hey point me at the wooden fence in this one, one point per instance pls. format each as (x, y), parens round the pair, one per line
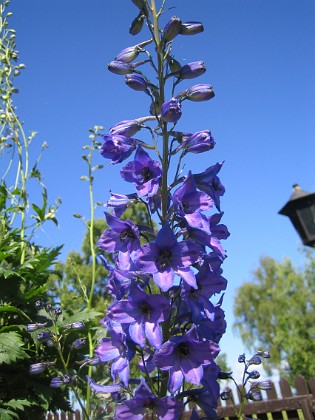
(287, 404)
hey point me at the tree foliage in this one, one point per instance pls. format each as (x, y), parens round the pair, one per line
(276, 311)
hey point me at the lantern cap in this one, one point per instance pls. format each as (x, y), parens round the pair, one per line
(297, 194)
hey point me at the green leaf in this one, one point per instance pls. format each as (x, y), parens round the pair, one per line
(11, 348)
(10, 308)
(84, 315)
(18, 404)
(6, 414)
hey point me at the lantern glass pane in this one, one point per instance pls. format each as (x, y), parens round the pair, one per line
(307, 215)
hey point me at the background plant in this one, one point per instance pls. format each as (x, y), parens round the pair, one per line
(277, 311)
(24, 265)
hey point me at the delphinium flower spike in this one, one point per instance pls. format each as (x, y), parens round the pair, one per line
(164, 317)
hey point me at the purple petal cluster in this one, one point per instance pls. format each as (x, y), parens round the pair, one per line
(165, 279)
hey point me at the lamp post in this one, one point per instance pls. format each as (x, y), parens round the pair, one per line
(301, 210)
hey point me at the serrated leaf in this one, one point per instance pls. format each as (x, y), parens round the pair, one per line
(84, 315)
(6, 414)
(18, 404)
(11, 348)
(10, 308)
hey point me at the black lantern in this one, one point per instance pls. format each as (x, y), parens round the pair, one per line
(301, 210)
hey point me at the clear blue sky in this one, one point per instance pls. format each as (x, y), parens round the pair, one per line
(260, 58)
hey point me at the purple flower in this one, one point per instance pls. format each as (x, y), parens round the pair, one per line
(118, 280)
(103, 389)
(122, 235)
(191, 28)
(117, 147)
(184, 357)
(143, 313)
(171, 110)
(210, 183)
(214, 327)
(144, 172)
(166, 257)
(188, 202)
(120, 202)
(119, 351)
(145, 402)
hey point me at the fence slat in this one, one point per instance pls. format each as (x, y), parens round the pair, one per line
(285, 388)
(286, 403)
(301, 385)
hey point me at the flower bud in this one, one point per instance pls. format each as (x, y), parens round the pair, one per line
(139, 3)
(225, 375)
(171, 29)
(137, 24)
(254, 395)
(226, 395)
(128, 54)
(56, 382)
(191, 70)
(264, 354)
(191, 28)
(171, 110)
(199, 142)
(79, 343)
(241, 358)
(200, 93)
(255, 360)
(34, 327)
(39, 304)
(61, 380)
(37, 368)
(58, 311)
(264, 385)
(126, 128)
(254, 374)
(43, 336)
(40, 367)
(79, 325)
(174, 64)
(119, 67)
(136, 81)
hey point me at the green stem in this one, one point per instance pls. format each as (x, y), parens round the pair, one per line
(165, 162)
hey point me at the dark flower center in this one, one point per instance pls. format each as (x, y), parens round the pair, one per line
(145, 309)
(146, 174)
(127, 234)
(183, 350)
(186, 206)
(164, 257)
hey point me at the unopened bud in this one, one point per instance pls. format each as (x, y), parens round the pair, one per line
(119, 67)
(171, 29)
(200, 93)
(136, 81)
(191, 28)
(137, 24)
